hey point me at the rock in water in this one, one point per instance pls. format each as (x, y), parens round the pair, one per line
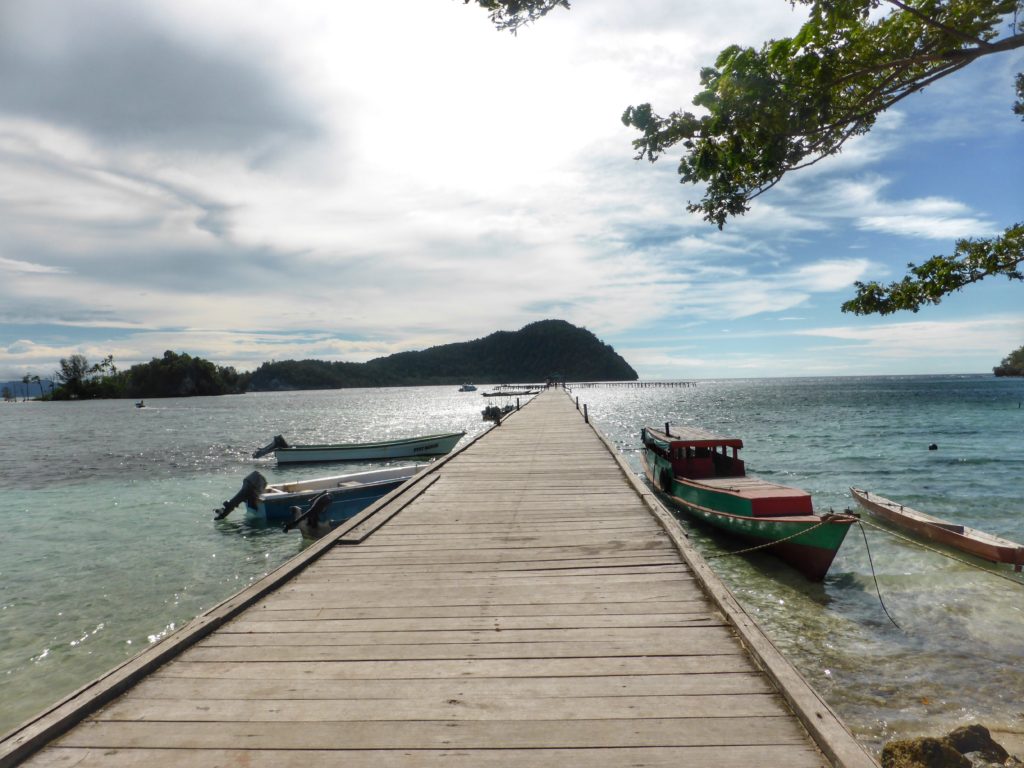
(976, 738)
(924, 752)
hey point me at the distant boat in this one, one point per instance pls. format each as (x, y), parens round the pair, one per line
(140, 404)
(695, 469)
(349, 494)
(969, 540)
(467, 388)
(403, 448)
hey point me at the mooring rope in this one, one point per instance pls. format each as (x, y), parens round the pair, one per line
(968, 563)
(871, 563)
(827, 518)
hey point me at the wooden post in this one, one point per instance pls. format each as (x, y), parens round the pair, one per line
(586, 417)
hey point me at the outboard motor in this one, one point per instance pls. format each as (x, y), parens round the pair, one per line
(252, 486)
(277, 442)
(310, 519)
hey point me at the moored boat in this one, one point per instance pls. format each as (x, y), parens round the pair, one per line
(925, 526)
(467, 388)
(410, 447)
(702, 473)
(349, 494)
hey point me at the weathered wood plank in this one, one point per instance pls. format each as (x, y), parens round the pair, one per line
(457, 670)
(445, 734)
(158, 686)
(446, 707)
(313, 623)
(277, 607)
(740, 756)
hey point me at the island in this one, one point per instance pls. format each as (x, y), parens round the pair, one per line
(1012, 365)
(538, 352)
(535, 353)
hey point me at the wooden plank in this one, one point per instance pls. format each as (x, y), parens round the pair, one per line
(739, 756)
(252, 623)
(282, 608)
(464, 708)
(158, 686)
(457, 670)
(442, 734)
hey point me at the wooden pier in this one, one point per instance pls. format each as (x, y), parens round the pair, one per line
(630, 384)
(524, 602)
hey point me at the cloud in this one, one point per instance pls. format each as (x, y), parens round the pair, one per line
(113, 72)
(991, 335)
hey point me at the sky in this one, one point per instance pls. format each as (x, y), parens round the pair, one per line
(248, 182)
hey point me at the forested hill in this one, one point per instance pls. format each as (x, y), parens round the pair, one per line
(532, 354)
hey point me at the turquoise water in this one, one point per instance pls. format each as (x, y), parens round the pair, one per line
(109, 542)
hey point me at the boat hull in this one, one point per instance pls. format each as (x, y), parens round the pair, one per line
(350, 495)
(807, 542)
(924, 526)
(418, 447)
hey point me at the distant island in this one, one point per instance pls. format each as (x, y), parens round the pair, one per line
(535, 353)
(1012, 365)
(173, 375)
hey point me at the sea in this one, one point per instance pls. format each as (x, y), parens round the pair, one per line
(109, 544)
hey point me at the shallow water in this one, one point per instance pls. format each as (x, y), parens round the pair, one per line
(110, 542)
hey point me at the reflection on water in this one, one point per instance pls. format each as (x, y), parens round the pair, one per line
(110, 543)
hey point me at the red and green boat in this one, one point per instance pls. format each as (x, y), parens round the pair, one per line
(702, 473)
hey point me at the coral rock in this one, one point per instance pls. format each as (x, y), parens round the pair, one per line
(924, 752)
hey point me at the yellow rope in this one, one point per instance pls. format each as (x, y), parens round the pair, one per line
(827, 518)
(922, 545)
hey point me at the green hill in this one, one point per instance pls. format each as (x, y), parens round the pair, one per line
(532, 354)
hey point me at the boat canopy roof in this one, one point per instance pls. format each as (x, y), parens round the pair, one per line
(694, 437)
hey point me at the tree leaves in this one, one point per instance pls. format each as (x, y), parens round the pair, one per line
(797, 100)
(972, 260)
(512, 14)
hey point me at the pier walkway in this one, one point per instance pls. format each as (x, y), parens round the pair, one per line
(524, 602)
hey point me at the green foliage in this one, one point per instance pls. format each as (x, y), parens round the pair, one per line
(532, 354)
(1012, 365)
(173, 375)
(972, 260)
(798, 100)
(512, 14)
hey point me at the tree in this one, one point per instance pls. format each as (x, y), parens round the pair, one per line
(8, 395)
(972, 261)
(72, 373)
(39, 381)
(512, 14)
(1012, 365)
(798, 100)
(26, 380)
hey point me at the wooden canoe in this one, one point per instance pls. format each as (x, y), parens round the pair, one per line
(969, 540)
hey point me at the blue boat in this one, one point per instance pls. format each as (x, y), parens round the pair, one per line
(350, 494)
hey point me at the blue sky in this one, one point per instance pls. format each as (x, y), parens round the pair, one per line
(247, 182)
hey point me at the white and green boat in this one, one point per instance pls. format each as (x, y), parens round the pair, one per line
(425, 446)
(702, 473)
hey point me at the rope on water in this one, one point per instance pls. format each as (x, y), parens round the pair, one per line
(871, 562)
(922, 545)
